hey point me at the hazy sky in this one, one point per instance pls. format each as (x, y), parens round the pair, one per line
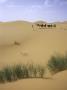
(32, 10)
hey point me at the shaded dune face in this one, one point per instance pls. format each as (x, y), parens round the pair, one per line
(19, 43)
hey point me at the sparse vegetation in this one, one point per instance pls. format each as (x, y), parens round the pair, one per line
(16, 72)
(41, 71)
(7, 71)
(57, 63)
(2, 80)
(36, 71)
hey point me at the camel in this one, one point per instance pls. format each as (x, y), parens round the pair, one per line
(41, 25)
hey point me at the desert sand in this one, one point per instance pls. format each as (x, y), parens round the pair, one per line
(22, 43)
(58, 82)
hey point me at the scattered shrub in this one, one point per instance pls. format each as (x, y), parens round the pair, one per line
(2, 79)
(7, 73)
(41, 71)
(20, 72)
(57, 63)
(36, 70)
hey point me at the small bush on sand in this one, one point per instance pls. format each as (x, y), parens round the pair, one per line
(57, 63)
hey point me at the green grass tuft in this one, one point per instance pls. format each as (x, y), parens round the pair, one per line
(19, 71)
(57, 63)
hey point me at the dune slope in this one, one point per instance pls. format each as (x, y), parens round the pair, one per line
(20, 43)
(33, 46)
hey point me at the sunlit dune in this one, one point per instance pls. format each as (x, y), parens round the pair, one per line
(24, 42)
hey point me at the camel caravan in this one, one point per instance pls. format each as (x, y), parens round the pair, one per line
(42, 25)
(46, 25)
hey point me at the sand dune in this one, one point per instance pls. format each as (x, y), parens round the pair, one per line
(38, 45)
(14, 31)
(33, 46)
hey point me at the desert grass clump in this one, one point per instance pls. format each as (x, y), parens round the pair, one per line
(7, 73)
(32, 70)
(25, 70)
(2, 78)
(20, 71)
(15, 72)
(57, 63)
(41, 71)
(36, 71)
